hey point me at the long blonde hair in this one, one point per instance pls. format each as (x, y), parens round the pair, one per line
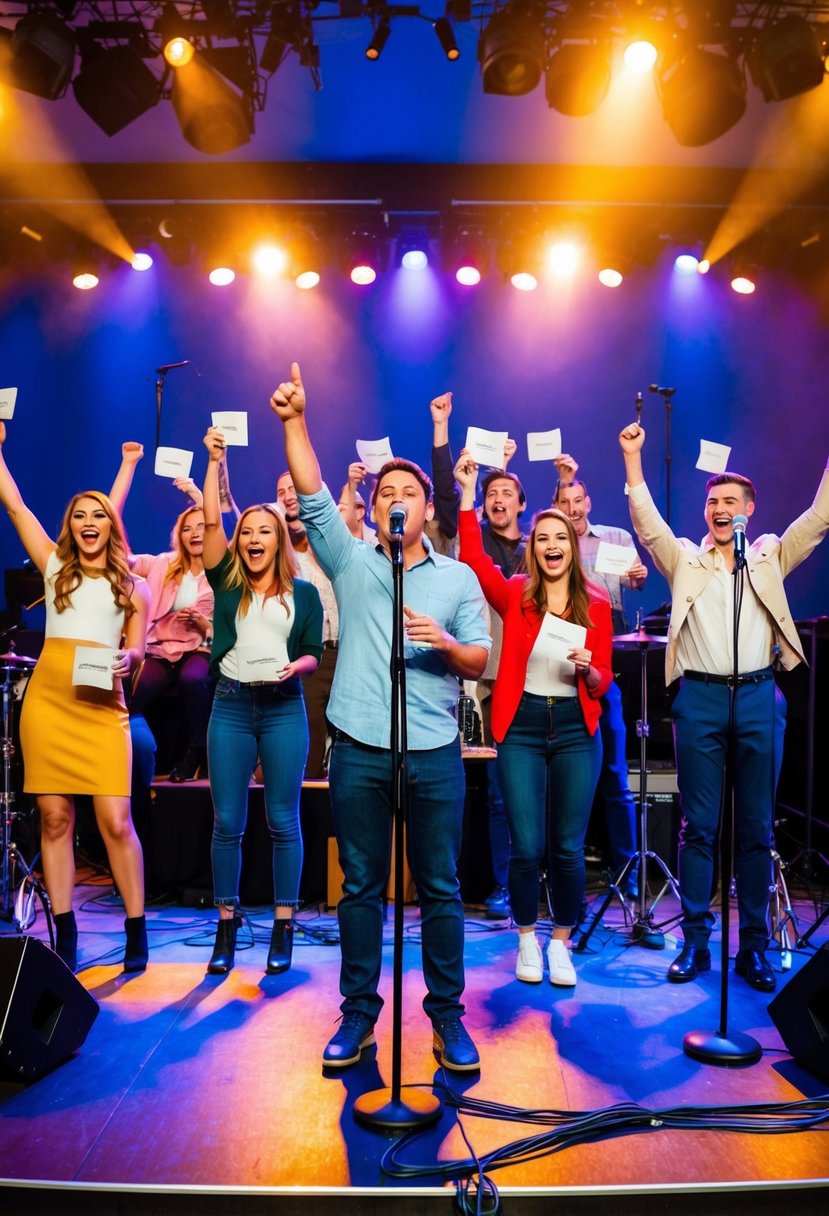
(181, 561)
(116, 571)
(284, 567)
(579, 589)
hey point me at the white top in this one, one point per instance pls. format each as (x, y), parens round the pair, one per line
(706, 639)
(92, 616)
(263, 633)
(188, 591)
(548, 675)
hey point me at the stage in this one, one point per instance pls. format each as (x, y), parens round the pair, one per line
(206, 1093)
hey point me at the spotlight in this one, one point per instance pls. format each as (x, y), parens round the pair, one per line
(176, 46)
(176, 231)
(412, 249)
(468, 258)
(743, 274)
(378, 40)
(42, 55)
(446, 38)
(786, 59)
(212, 116)
(285, 34)
(511, 54)
(703, 95)
(686, 263)
(523, 260)
(365, 256)
(305, 257)
(578, 77)
(115, 87)
(141, 261)
(221, 276)
(269, 259)
(564, 258)
(85, 279)
(640, 56)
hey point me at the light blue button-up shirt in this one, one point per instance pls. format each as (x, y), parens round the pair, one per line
(360, 702)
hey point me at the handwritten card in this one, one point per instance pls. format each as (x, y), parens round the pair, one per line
(544, 445)
(713, 457)
(614, 559)
(8, 397)
(486, 447)
(234, 426)
(173, 462)
(374, 453)
(261, 662)
(92, 666)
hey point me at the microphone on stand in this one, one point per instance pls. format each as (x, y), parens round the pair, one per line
(398, 514)
(639, 403)
(660, 388)
(168, 367)
(739, 525)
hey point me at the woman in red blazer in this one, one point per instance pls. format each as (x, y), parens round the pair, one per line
(545, 714)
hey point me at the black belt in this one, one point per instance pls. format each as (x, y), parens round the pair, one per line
(330, 644)
(750, 677)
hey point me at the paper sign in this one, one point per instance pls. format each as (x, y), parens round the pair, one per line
(234, 426)
(8, 397)
(544, 445)
(263, 662)
(713, 457)
(93, 666)
(614, 559)
(486, 447)
(561, 636)
(374, 453)
(173, 462)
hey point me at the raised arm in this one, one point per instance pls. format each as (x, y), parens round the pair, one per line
(215, 541)
(446, 491)
(131, 453)
(32, 535)
(288, 403)
(631, 441)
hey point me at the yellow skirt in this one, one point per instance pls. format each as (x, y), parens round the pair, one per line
(74, 739)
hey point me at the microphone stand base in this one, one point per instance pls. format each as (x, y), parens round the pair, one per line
(380, 1109)
(713, 1047)
(643, 935)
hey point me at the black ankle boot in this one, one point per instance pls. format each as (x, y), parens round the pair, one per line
(224, 951)
(66, 939)
(282, 944)
(137, 951)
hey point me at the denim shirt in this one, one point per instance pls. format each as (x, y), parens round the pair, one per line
(438, 587)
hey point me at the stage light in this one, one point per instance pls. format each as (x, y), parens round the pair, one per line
(176, 46)
(305, 257)
(511, 54)
(640, 56)
(85, 280)
(743, 274)
(686, 263)
(42, 55)
(467, 257)
(269, 259)
(703, 95)
(564, 258)
(176, 231)
(446, 38)
(378, 40)
(786, 59)
(522, 260)
(115, 87)
(610, 277)
(141, 261)
(307, 279)
(578, 78)
(412, 250)
(364, 252)
(212, 116)
(221, 276)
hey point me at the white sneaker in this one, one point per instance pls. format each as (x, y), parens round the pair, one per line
(562, 971)
(530, 964)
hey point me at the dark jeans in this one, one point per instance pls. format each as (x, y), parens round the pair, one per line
(700, 713)
(268, 721)
(191, 673)
(548, 764)
(361, 801)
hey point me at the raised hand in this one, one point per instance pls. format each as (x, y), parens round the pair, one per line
(132, 452)
(357, 473)
(510, 448)
(566, 467)
(441, 407)
(214, 441)
(288, 400)
(632, 438)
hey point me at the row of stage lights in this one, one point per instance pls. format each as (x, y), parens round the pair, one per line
(700, 60)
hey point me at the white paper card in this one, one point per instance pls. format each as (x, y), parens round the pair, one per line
(8, 397)
(263, 662)
(173, 462)
(486, 447)
(374, 453)
(713, 457)
(560, 637)
(614, 559)
(93, 666)
(234, 426)
(544, 445)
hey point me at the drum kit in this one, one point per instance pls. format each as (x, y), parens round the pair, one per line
(19, 886)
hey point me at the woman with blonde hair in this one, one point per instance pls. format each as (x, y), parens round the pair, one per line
(75, 736)
(267, 634)
(545, 714)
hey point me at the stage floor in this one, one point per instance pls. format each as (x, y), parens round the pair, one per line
(195, 1081)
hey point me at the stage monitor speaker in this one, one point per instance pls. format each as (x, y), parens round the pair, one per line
(800, 1011)
(45, 1011)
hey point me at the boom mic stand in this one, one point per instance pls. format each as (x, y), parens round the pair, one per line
(666, 394)
(161, 373)
(385, 1108)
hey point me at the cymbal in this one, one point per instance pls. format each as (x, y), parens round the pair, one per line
(639, 640)
(17, 660)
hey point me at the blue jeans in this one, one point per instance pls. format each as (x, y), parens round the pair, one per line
(700, 714)
(548, 760)
(246, 721)
(361, 801)
(619, 806)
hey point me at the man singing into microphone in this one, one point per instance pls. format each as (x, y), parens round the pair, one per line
(700, 651)
(446, 638)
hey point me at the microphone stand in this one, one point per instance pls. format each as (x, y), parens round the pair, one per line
(720, 1046)
(666, 394)
(161, 373)
(384, 1108)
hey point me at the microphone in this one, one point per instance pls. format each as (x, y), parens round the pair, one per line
(660, 388)
(168, 367)
(638, 404)
(398, 514)
(738, 523)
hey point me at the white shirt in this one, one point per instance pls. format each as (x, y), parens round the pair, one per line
(266, 627)
(92, 615)
(706, 639)
(547, 675)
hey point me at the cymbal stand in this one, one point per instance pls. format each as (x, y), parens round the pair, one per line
(784, 927)
(644, 929)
